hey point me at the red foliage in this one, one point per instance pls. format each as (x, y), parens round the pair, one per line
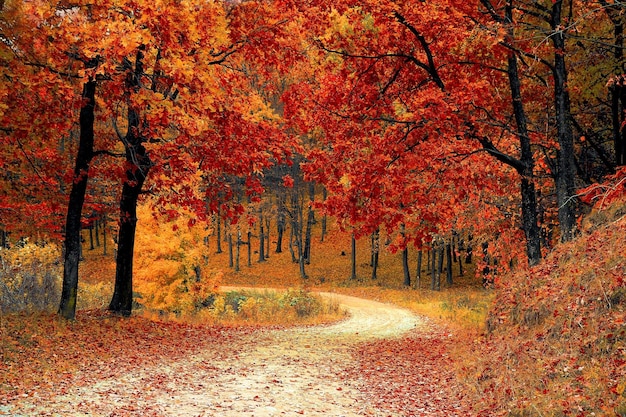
(414, 375)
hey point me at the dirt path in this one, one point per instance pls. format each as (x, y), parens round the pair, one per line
(274, 373)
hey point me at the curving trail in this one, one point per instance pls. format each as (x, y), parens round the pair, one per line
(289, 372)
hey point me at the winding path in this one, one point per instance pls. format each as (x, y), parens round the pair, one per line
(289, 372)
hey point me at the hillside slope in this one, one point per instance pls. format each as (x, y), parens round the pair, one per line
(556, 337)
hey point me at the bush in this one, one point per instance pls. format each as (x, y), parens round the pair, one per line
(30, 278)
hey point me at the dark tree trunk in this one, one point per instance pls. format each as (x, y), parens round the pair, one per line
(249, 243)
(433, 270)
(104, 235)
(91, 246)
(231, 257)
(72, 244)
(324, 218)
(405, 267)
(267, 237)
(439, 267)
(525, 164)
(280, 223)
(238, 250)
(375, 253)
(261, 238)
(297, 219)
(449, 264)
(219, 232)
(418, 273)
(352, 257)
(97, 226)
(309, 224)
(566, 171)
(530, 223)
(617, 88)
(138, 161)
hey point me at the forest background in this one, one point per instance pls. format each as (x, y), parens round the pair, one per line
(482, 132)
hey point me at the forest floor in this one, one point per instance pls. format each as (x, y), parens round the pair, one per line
(381, 361)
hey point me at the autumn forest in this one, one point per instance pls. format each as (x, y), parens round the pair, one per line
(213, 183)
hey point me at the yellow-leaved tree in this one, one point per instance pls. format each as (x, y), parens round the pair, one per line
(171, 268)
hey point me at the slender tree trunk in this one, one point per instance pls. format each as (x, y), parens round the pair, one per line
(439, 267)
(219, 232)
(261, 238)
(375, 253)
(418, 273)
(449, 264)
(249, 243)
(72, 244)
(267, 237)
(352, 257)
(309, 224)
(324, 217)
(280, 223)
(433, 270)
(405, 267)
(231, 256)
(238, 250)
(97, 225)
(296, 228)
(91, 246)
(104, 235)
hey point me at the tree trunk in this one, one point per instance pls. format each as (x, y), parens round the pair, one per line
(91, 246)
(405, 267)
(324, 217)
(72, 244)
(433, 270)
(418, 273)
(238, 250)
(261, 238)
(219, 232)
(138, 162)
(565, 179)
(280, 223)
(97, 226)
(352, 257)
(375, 253)
(104, 235)
(267, 237)
(249, 243)
(439, 267)
(231, 257)
(617, 88)
(449, 264)
(309, 224)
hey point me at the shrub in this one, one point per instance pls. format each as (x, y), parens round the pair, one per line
(30, 277)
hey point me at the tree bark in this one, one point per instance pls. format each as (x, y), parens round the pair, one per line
(449, 280)
(352, 257)
(280, 223)
(261, 238)
(72, 244)
(418, 273)
(375, 253)
(309, 225)
(139, 163)
(566, 172)
(324, 217)
(219, 232)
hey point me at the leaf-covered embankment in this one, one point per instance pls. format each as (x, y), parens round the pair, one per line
(556, 340)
